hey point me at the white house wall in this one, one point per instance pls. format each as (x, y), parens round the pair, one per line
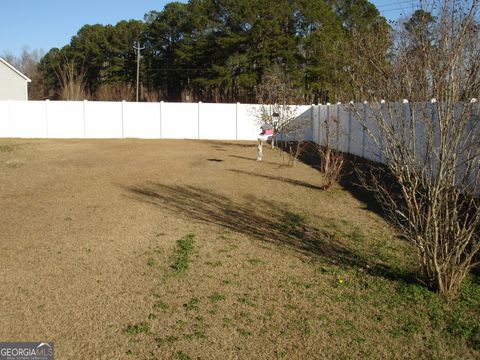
(12, 85)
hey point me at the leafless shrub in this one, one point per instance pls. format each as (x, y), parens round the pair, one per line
(331, 165)
(431, 179)
(331, 161)
(276, 94)
(72, 81)
(152, 95)
(115, 92)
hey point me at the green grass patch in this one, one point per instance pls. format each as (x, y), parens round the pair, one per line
(160, 305)
(216, 297)
(193, 304)
(292, 221)
(182, 254)
(255, 261)
(140, 328)
(180, 355)
(150, 262)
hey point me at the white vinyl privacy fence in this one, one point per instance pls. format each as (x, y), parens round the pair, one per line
(96, 119)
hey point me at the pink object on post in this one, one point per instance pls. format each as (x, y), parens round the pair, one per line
(268, 132)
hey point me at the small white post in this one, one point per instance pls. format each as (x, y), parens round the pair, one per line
(260, 150)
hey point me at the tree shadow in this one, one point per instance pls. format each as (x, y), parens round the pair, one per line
(279, 178)
(253, 159)
(217, 144)
(355, 174)
(262, 220)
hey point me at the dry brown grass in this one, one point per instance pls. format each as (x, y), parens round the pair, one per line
(278, 269)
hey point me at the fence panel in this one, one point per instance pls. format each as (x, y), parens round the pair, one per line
(180, 120)
(218, 121)
(103, 120)
(4, 119)
(65, 119)
(28, 119)
(248, 123)
(141, 120)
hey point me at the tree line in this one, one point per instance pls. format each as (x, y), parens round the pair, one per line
(221, 51)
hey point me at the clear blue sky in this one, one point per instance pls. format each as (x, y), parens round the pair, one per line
(44, 24)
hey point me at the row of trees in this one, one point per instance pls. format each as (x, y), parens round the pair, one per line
(221, 50)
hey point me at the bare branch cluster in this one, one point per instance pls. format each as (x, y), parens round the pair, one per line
(431, 150)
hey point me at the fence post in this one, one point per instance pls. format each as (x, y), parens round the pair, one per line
(236, 120)
(198, 124)
(46, 116)
(123, 109)
(85, 118)
(319, 110)
(161, 106)
(384, 113)
(9, 106)
(364, 129)
(327, 127)
(312, 124)
(338, 126)
(349, 145)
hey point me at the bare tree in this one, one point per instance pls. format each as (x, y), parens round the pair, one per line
(431, 150)
(277, 95)
(72, 81)
(331, 160)
(27, 62)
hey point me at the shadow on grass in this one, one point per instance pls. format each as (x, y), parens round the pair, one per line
(263, 220)
(254, 159)
(279, 178)
(218, 144)
(355, 172)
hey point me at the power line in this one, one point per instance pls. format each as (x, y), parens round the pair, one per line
(137, 47)
(396, 3)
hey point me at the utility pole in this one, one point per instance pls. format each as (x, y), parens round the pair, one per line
(137, 47)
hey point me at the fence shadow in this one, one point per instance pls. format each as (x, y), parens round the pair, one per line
(253, 159)
(262, 220)
(279, 178)
(218, 144)
(354, 174)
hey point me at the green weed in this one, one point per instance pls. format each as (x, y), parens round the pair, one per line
(192, 304)
(183, 251)
(142, 327)
(180, 355)
(216, 297)
(255, 261)
(160, 305)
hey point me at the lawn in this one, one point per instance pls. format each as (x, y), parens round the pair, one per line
(138, 249)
